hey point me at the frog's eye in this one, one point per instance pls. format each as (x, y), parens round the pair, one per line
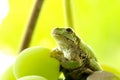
(69, 30)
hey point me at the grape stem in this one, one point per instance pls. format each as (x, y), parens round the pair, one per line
(69, 21)
(31, 24)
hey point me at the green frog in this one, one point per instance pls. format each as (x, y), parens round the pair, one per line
(76, 58)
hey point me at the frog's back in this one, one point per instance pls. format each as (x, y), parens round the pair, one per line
(88, 50)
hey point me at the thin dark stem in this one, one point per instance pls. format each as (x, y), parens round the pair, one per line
(31, 24)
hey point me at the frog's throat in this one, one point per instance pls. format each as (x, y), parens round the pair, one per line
(65, 52)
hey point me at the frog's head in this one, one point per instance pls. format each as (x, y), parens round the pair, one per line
(65, 35)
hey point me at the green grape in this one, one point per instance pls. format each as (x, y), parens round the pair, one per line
(36, 61)
(8, 74)
(32, 78)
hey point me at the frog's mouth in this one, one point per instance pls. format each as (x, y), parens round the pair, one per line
(60, 37)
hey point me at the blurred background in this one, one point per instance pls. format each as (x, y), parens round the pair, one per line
(95, 21)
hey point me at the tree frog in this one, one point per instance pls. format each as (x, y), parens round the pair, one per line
(74, 55)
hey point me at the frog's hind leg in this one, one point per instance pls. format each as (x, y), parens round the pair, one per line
(94, 65)
(81, 73)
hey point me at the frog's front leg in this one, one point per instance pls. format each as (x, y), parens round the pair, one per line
(58, 55)
(65, 63)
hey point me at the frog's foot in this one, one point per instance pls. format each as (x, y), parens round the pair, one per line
(58, 55)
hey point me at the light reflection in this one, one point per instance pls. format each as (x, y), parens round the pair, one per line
(4, 8)
(5, 62)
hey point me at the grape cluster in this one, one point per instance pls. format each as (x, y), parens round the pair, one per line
(33, 63)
